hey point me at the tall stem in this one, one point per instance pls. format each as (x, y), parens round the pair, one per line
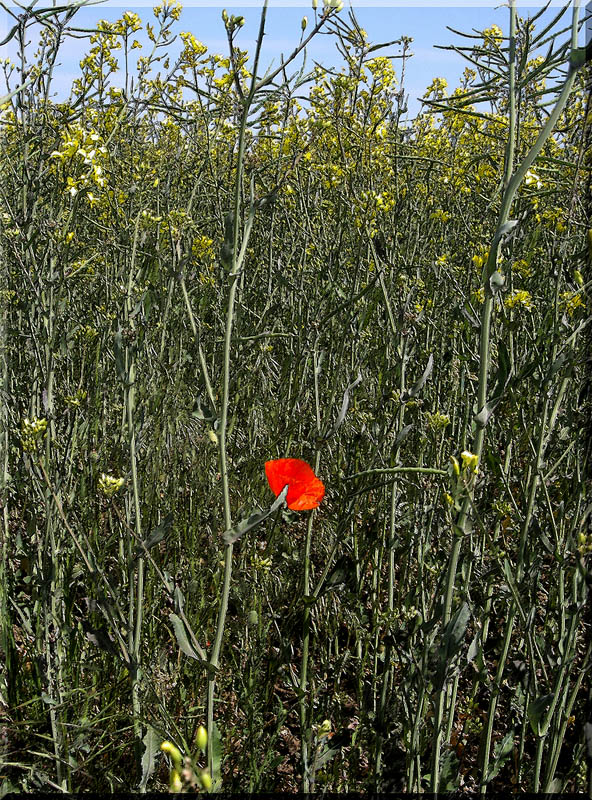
(512, 182)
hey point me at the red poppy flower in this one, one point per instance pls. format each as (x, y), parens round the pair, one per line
(305, 489)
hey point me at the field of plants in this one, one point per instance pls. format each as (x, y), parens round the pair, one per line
(208, 266)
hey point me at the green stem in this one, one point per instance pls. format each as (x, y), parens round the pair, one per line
(236, 265)
(511, 185)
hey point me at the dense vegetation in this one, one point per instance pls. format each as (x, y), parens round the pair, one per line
(210, 267)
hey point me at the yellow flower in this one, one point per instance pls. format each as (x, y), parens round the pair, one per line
(470, 461)
(570, 301)
(519, 298)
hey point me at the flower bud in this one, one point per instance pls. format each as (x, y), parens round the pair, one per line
(304, 23)
(175, 783)
(202, 738)
(253, 617)
(206, 780)
(175, 754)
(578, 277)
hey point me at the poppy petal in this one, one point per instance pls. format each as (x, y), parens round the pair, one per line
(305, 489)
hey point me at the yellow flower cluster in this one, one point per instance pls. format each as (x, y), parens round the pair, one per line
(440, 215)
(521, 268)
(571, 301)
(437, 421)
(584, 543)
(493, 35)
(520, 298)
(81, 148)
(110, 485)
(76, 399)
(32, 431)
(261, 564)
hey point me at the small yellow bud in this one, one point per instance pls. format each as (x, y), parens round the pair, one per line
(202, 738)
(578, 277)
(206, 780)
(212, 436)
(175, 783)
(175, 754)
(304, 23)
(325, 728)
(455, 465)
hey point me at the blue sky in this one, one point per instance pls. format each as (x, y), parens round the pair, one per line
(426, 23)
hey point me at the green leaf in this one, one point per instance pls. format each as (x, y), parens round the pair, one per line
(183, 640)
(156, 535)
(401, 436)
(151, 742)
(416, 389)
(455, 631)
(203, 412)
(119, 357)
(49, 700)
(505, 229)
(452, 638)
(325, 756)
(501, 753)
(344, 407)
(227, 247)
(502, 379)
(5, 98)
(535, 711)
(216, 758)
(234, 534)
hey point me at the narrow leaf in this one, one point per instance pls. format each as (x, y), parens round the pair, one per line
(234, 534)
(505, 229)
(156, 535)
(402, 435)
(216, 757)
(119, 357)
(151, 742)
(202, 411)
(182, 637)
(536, 709)
(416, 389)
(344, 407)
(455, 631)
